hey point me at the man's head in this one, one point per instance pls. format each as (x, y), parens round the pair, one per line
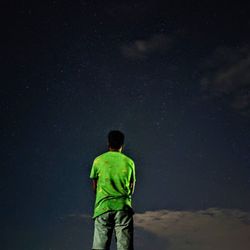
(115, 140)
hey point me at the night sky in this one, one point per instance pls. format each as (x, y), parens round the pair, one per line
(174, 77)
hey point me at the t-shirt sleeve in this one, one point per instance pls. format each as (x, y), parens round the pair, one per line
(93, 172)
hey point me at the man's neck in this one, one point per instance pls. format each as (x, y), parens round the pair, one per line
(115, 150)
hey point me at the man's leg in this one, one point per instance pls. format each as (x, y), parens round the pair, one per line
(104, 225)
(124, 230)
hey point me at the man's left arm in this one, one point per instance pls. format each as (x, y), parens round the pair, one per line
(94, 175)
(94, 185)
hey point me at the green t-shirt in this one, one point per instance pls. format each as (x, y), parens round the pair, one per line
(114, 172)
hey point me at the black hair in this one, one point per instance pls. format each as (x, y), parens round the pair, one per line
(115, 139)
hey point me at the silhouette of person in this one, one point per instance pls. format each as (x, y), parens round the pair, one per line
(113, 179)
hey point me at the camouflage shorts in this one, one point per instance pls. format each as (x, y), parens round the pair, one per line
(121, 222)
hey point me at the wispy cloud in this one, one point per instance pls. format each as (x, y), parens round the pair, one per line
(211, 229)
(142, 48)
(227, 75)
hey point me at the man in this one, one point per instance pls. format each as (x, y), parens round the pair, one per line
(113, 179)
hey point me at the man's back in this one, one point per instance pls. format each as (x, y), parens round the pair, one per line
(114, 172)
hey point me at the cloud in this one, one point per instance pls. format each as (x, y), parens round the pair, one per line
(227, 75)
(211, 229)
(142, 48)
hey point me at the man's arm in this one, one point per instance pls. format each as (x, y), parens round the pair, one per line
(132, 186)
(94, 184)
(132, 179)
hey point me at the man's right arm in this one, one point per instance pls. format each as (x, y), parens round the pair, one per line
(132, 186)
(133, 179)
